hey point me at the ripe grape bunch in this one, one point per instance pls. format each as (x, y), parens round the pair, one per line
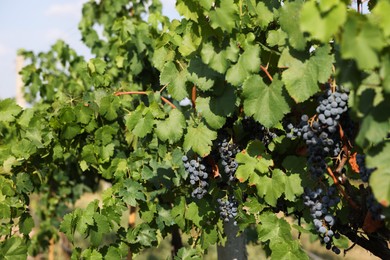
(320, 133)
(227, 153)
(320, 204)
(228, 208)
(257, 131)
(364, 172)
(198, 176)
(375, 208)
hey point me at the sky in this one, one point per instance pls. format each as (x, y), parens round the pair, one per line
(36, 25)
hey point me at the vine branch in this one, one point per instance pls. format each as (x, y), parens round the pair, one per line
(342, 191)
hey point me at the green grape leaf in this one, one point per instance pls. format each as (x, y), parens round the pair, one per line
(276, 37)
(252, 163)
(380, 16)
(91, 254)
(188, 254)
(342, 242)
(26, 223)
(131, 192)
(362, 41)
(175, 80)
(273, 229)
(189, 44)
(216, 60)
(178, 212)
(213, 119)
(101, 227)
(290, 250)
(140, 121)
(385, 72)
(264, 15)
(24, 183)
(378, 158)
(288, 13)
(301, 78)
(248, 62)
(171, 129)
(13, 248)
(88, 154)
(192, 213)
(142, 234)
(69, 224)
(300, 82)
(85, 219)
(278, 232)
(271, 188)
(108, 107)
(187, 8)
(208, 237)
(8, 110)
(294, 188)
(246, 166)
(161, 56)
(5, 210)
(199, 138)
(214, 109)
(201, 75)
(113, 253)
(105, 134)
(253, 206)
(266, 103)
(97, 66)
(322, 24)
(164, 217)
(224, 16)
(71, 130)
(375, 125)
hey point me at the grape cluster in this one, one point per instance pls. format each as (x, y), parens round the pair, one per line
(320, 133)
(227, 154)
(320, 203)
(255, 130)
(364, 172)
(374, 207)
(228, 208)
(198, 176)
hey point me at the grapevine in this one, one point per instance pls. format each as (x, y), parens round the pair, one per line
(229, 124)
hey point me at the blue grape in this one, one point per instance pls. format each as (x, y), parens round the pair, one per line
(198, 175)
(318, 201)
(364, 172)
(227, 153)
(228, 208)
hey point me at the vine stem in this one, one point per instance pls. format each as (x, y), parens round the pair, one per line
(266, 72)
(51, 249)
(342, 191)
(131, 222)
(193, 97)
(143, 93)
(131, 93)
(168, 102)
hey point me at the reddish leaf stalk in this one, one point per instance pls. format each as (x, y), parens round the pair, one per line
(193, 96)
(168, 102)
(266, 72)
(131, 93)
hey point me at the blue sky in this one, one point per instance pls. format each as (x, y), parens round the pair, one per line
(36, 25)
